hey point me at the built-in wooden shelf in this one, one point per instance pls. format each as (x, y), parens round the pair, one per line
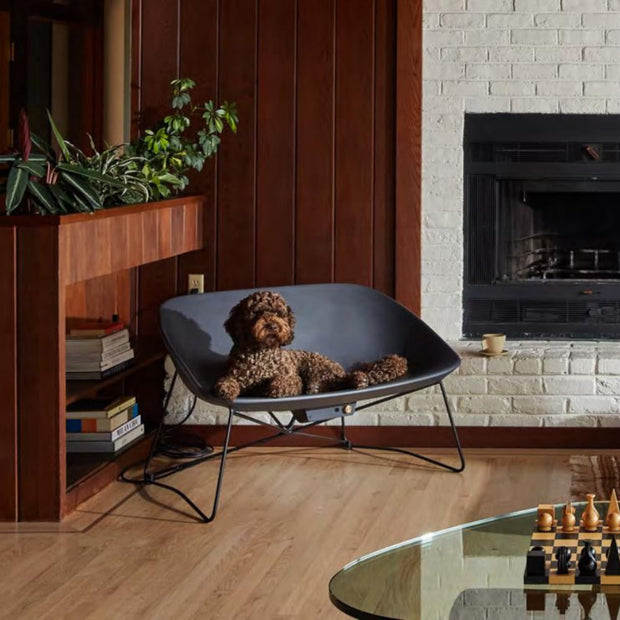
(50, 267)
(147, 352)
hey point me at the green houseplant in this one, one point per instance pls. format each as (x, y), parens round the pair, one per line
(152, 167)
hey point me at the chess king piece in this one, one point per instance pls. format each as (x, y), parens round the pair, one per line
(562, 555)
(568, 517)
(613, 506)
(587, 560)
(613, 561)
(590, 517)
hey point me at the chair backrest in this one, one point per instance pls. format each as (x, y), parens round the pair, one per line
(346, 322)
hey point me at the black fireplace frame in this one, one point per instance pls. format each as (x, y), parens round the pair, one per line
(549, 309)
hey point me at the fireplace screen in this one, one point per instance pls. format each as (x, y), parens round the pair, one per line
(558, 234)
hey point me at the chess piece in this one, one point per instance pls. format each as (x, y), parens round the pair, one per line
(562, 555)
(613, 506)
(613, 522)
(545, 522)
(613, 604)
(535, 563)
(587, 600)
(587, 560)
(562, 602)
(568, 517)
(590, 518)
(613, 561)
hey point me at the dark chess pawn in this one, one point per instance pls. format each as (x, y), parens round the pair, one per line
(562, 555)
(587, 560)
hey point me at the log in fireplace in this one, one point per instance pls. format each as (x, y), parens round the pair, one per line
(542, 225)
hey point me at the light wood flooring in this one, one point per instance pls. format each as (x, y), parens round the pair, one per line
(289, 519)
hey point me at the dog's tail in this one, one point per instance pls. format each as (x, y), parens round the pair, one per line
(386, 369)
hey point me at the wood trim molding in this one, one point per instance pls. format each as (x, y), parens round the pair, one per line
(408, 153)
(432, 437)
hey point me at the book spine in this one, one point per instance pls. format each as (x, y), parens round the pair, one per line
(106, 446)
(125, 404)
(105, 436)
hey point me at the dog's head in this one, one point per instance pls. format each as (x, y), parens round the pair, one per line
(262, 320)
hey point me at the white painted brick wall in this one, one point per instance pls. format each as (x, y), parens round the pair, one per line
(544, 56)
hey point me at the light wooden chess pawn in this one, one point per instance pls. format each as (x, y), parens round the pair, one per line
(568, 517)
(590, 518)
(544, 522)
(613, 522)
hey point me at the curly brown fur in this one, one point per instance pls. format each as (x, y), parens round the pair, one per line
(260, 325)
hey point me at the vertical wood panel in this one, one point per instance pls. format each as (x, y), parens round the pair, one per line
(41, 387)
(315, 135)
(354, 141)
(408, 152)
(8, 376)
(237, 157)
(275, 207)
(385, 125)
(198, 48)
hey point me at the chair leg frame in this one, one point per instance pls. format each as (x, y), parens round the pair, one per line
(153, 477)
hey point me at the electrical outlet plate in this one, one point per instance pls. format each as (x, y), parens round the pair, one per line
(196, 283)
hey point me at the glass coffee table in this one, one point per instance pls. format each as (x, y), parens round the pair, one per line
(469, 571)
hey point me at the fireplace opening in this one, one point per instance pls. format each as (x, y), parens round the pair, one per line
(542, 225)
(553, 233)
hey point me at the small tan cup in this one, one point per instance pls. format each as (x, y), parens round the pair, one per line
(493, 343)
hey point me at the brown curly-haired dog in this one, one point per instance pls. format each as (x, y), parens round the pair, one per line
(260, 325)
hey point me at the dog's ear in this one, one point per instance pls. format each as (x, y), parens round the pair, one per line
(290, 316)
(235, 324)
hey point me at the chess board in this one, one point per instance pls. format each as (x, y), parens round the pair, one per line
(550, 541)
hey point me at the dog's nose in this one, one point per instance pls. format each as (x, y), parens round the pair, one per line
(271, 326)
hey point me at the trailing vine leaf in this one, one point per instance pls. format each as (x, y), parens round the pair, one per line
(15, 188)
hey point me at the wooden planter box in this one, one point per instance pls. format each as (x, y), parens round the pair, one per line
(40, 256)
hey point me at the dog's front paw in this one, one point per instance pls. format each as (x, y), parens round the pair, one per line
(358, 380)
(227, 388)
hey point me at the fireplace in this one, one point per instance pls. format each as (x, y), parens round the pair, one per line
(542, 225)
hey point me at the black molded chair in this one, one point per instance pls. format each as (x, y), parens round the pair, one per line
(348, 323)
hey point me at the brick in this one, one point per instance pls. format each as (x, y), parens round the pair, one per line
(613, 37)
(437, 70)
(426, 403)
(559, 89)
(512, 386)
(526, 365)
(469, 419)
(405, 419)
(608, 364)
(511, 54)
(537, 70)
(488, 104)
(558, 54)
(555, 365)
(465, 54)
(488, 71)
(514, 419)
(431, 87)
(462, 20)
(512, 88)
(449, 5)
(532, 6)
(614, 5)
(509, 20)
(446, 155)
(450, 122)
(582, 106)
(539, 105)
(473, 365)
(465, 384)
(527, 36)
(582, 37)
(602, 54)
(608, 385)
(483, 404)
(601, 21)
(539, 405)
(489, 5)
(479, 89)
(500, 365)
(430, 20)
(612, 107)
(584, 71)
(439, 37)
(592, 404)
(557, 20)
(487, 37)
(584, 6)
(569, 385)
(582, 364)
(572, 420)
(440, 104)
(612, 72)
(609, 421)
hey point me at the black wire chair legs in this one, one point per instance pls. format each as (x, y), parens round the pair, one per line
(350, 445)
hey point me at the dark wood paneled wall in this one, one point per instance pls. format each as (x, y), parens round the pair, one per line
(306, 190)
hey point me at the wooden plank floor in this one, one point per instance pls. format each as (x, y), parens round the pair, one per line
(290, 518)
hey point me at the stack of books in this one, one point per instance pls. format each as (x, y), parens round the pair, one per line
(103, 425)
(97, 349)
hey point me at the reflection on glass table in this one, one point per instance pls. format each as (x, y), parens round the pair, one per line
(435, 577)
